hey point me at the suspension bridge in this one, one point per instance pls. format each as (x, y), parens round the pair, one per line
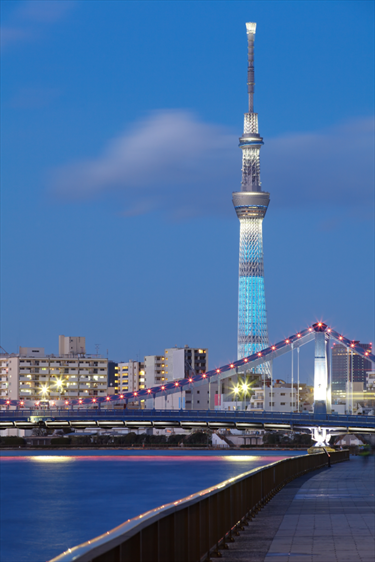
(94, 412)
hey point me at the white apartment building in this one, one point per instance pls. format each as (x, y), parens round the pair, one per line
(281, 398)
(176, 363)
(130, 376)
(179, 363)
(195, 398)
(31, 375)
(155, 370)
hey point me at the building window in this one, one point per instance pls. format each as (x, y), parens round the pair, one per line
(282, 403)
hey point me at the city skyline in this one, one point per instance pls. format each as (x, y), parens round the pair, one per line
(103, 237)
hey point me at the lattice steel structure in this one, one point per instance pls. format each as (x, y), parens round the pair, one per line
(251, 204)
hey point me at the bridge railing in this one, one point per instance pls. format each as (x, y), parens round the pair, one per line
(190, 529)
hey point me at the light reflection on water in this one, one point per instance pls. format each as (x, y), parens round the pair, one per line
(55, 501)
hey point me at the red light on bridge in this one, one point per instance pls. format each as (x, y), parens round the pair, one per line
(298, 335)
(135, 393)
(218, 370)
(259, 354)
(94, 399)
(245, 360)
(107, 398)
(176, 383)
(310, 329)
(352, 345)
(340, 337)
(22, 403)
(36, 403)
(329, 330)
(190, 380)
(366, 352)
(273, 347)
(320, 324)
(121, 396)
(231, 365)
(79, 401)
(7, 402)
(148, 391)
(204, 375)
(287, 341)
(66, 402)
(163, 387)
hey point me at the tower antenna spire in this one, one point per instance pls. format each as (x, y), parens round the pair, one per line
(250, 30)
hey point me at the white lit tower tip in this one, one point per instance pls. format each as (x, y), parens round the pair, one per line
(251, 205)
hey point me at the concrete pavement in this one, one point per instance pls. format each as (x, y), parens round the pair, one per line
(325, 516)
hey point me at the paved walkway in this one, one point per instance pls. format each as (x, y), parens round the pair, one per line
(327, 516)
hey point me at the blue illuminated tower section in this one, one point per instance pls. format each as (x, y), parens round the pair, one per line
(251, 205)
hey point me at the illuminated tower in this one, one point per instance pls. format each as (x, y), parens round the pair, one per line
(251, 205)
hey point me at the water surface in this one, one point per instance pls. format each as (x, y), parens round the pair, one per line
(53, 500)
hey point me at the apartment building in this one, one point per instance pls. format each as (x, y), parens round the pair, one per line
(131, 376)
(176, 363)
(31, 375)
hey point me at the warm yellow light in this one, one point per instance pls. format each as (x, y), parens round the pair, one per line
(241, 458)
(44, 390)
(50, 458)
(236, 390)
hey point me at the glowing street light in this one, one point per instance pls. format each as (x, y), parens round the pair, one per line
(44, 390)
(59, 384)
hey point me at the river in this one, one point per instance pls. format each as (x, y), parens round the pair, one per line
(53, 500)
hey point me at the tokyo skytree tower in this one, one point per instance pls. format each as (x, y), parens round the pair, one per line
(251, 205)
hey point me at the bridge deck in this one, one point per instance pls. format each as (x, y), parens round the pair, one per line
(213, 419)
(329, 516)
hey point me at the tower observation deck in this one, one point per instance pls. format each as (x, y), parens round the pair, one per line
(251, 205)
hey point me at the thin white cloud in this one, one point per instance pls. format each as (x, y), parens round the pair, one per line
(334, 166)
(32, 97)
(29, 16)
(174, 161)
(11, 35)
(46, 11)
(163, 161)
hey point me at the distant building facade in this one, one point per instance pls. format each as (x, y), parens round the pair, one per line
(346, 363)
(31, 375)
(131, 376)
(176, 363)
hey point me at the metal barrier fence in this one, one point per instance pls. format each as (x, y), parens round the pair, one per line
(190, 529)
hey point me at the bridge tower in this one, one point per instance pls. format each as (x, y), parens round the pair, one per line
(322, 387)
(251, 205)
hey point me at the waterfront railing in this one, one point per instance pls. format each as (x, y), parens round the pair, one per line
(191, 529)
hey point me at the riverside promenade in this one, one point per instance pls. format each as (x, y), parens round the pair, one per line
(324, 516)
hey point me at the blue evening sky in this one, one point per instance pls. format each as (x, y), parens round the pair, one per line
(119, 154)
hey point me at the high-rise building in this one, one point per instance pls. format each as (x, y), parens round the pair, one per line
(251, 205)
(348, 366)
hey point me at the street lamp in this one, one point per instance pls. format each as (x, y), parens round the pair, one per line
(59, 383)
(245, 388)
(44, 390)
(236, 390)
